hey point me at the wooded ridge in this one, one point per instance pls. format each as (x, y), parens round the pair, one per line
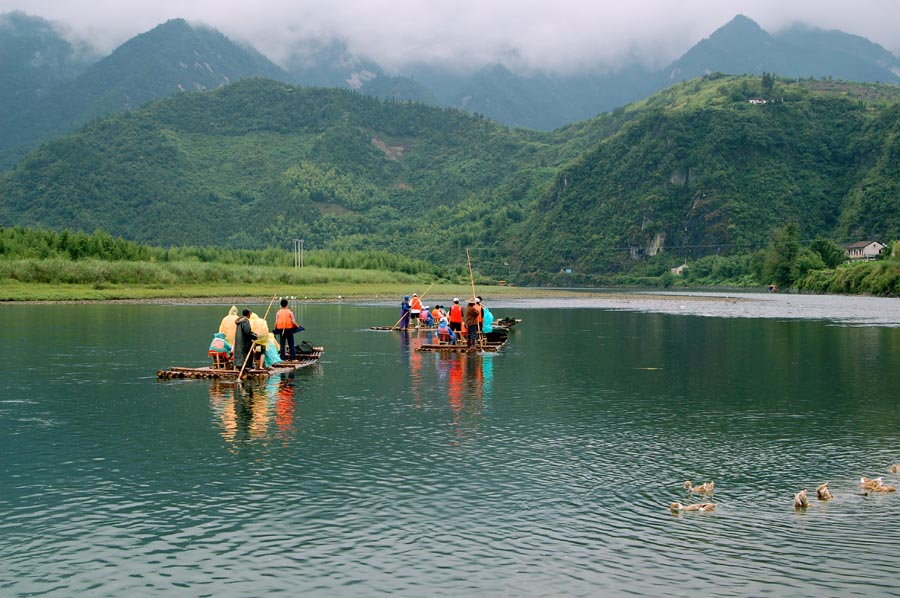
(709, 166)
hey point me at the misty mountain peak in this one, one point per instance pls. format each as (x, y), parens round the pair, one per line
(740, 33)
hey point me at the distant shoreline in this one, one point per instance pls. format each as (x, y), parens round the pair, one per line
(520, 293)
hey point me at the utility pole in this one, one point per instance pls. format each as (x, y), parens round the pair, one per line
(298, 253)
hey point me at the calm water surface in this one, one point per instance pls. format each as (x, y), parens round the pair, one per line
(542, 470)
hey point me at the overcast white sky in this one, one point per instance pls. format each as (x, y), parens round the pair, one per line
(548, 34)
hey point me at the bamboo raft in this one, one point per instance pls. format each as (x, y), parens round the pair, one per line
(461, 347)
(398, 329)
(210, 372)
(486, 347)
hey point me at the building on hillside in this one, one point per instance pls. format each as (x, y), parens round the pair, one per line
(863, 250)
(678, 270)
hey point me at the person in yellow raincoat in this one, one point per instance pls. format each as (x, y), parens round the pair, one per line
(228, 325)
(265, 343)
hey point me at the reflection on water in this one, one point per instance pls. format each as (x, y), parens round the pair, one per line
(465, 379)
(545, 469)
(246, 411)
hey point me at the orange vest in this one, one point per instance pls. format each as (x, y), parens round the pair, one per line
(415, 304)
(284, 319)
(456, 314)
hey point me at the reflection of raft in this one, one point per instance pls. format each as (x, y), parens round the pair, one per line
(398, 329)
(303, 360)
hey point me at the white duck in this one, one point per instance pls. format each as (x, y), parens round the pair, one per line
(677, 507)
(822, 492)
(705, 488)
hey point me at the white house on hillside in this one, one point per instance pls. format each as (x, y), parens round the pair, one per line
(864, 250)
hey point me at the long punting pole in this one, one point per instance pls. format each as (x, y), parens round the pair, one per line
(471, 276)
(420, 298)
(247, 358)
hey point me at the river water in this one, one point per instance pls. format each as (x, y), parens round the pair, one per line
(546, 469)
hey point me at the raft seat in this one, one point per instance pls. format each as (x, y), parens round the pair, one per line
(220, 361)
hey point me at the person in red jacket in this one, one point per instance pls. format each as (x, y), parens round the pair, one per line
(415, 309)
(456, 316)
(285, 327)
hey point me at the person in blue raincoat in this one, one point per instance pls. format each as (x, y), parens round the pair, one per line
(426, 318)
(445, 334)
(487, 324)
(404, 313)
(220, 346)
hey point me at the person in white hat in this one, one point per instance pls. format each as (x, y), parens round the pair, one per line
(415, 308)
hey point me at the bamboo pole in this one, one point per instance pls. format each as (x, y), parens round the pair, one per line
(250, 352)
(472, 279)
(422, 296)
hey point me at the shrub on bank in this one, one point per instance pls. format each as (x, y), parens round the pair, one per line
(97, 272)
(880, 278)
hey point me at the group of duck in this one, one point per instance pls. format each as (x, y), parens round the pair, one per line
(800, 499)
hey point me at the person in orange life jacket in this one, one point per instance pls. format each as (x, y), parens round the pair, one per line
(444, 334)
(243, 339)
(456, 316)
(286, 327)
(438, 313)
(415, 308)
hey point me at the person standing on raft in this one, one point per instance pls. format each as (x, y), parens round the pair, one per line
(404, 313)
(243, 339)
(470, 318)
(285, 327)
(415, 309)
(456, 316)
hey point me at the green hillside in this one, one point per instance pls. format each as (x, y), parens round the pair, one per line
(261, 163)
(695, 170)
(714, 166)
(169, 59)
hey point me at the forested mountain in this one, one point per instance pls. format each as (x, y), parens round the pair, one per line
(742, 47)
(710, 165)
(48, 88)
(715, 165)
(544, 100)
(171, 58)
(34, 59)
(260, 163)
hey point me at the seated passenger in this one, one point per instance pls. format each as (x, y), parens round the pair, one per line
(220, 347)
(445, 334)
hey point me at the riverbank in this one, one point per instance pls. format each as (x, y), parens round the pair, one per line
(20, 293)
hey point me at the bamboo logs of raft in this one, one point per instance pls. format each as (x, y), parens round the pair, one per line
(461, 347)
(176, 373)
